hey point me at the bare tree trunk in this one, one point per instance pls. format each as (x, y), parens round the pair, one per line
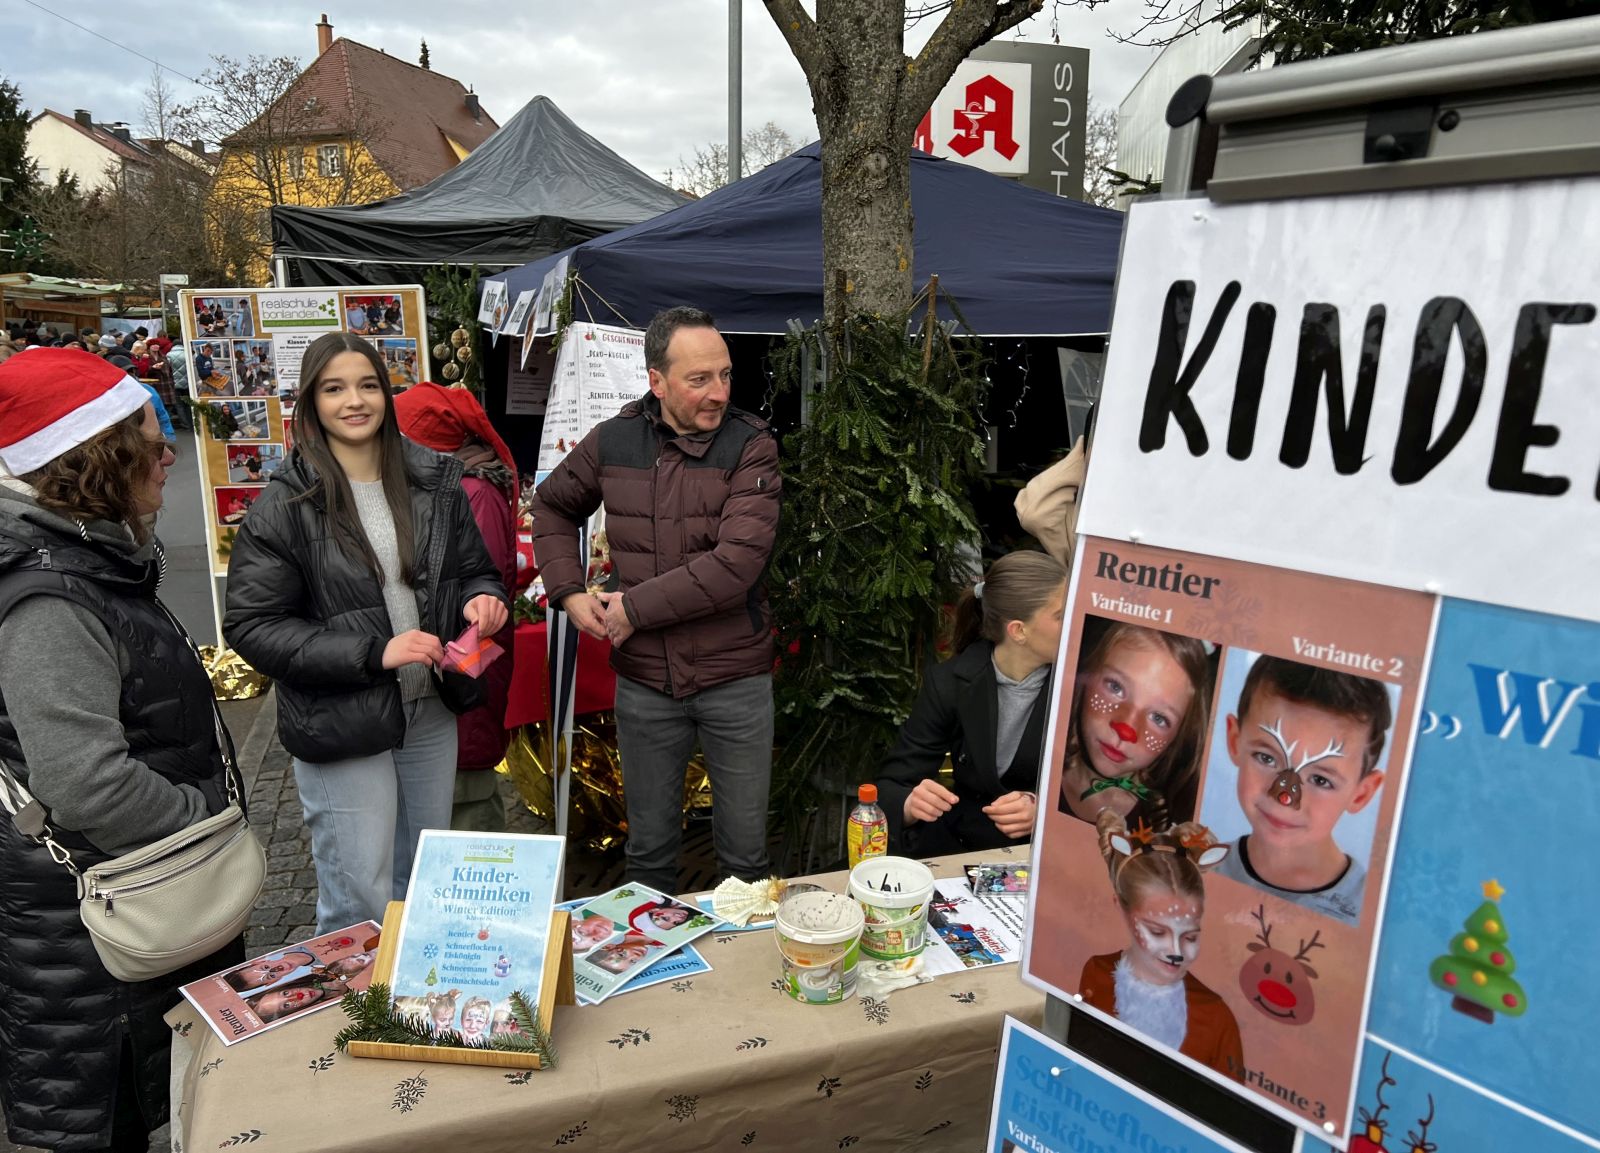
(866, 195)
(868, 97)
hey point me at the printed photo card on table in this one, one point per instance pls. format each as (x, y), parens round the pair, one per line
(279, 986)
(619, 934)
(1227, 753)
(686, 962)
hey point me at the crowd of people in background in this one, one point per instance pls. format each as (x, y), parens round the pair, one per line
(145, 357)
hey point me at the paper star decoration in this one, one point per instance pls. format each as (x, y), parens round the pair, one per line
(1493, 890)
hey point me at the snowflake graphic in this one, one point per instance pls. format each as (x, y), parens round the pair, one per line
(1232, 619)
(430, 951)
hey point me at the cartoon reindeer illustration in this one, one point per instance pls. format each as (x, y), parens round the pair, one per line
(1419, 1141)
(1287, 784)
(1374, 1129)
(1278, 985)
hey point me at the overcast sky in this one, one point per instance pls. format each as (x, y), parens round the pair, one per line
(647, 77)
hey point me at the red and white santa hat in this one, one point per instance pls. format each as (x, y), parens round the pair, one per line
(55, 399)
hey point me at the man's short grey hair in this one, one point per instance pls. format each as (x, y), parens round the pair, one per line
(666, 322)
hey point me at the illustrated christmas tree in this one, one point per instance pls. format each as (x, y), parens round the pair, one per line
(1478, 967)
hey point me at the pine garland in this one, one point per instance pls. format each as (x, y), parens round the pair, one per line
(374, 1018)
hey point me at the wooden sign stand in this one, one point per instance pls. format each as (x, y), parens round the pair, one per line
(555, 988)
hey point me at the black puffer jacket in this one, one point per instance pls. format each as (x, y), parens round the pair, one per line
(66, 1025)
(957, 712)
(312, 617)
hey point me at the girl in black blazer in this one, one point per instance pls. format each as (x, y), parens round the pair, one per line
(986, 707)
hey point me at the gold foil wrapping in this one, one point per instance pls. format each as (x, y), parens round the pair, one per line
(598, 819)
(231, 678)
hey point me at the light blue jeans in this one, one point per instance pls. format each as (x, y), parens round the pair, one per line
(365, 815)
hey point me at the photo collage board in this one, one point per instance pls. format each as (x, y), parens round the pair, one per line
(1307, 750)
(244, 349)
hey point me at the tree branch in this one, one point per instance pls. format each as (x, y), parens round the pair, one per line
(967, 26)
(800, 33)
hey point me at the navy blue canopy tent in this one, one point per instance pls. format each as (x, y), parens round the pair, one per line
(1017, 261)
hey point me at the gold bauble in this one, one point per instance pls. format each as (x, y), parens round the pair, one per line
(452, 371)
(459, 337)
(464, 353)
(441, 351)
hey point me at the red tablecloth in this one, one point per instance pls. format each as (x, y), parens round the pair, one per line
(530, 692)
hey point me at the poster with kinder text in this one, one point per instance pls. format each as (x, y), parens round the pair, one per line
(1490, 933)
(1227, 753)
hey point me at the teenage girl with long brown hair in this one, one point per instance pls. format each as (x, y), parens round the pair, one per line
(353, 569)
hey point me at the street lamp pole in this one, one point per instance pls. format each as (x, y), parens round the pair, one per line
(735, 118)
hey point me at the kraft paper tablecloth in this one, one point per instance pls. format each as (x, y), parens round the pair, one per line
(723, 1060)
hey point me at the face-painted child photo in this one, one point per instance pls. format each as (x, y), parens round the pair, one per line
(1298, 757)
(1158, 886)
(587, 932)
(662, 916)
(475, 1017)
(437, 1009)
(625, 954)
(1138, 722)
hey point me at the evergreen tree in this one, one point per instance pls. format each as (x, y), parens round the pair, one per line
(15, 167)
(423, 59)
(1307, 29)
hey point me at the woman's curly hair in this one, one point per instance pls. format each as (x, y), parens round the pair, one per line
(101, 478)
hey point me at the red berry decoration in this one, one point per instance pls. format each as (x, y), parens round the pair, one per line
(1509, 1000)
(1497, 958)
(1451, 979)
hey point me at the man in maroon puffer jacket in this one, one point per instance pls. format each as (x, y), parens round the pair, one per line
(691, 490)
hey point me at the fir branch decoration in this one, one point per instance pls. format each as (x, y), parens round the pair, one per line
(877, 514)
(373, 1018)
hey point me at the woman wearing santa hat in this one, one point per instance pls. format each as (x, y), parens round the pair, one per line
(451, 420)
(107, 720)
(356, 565)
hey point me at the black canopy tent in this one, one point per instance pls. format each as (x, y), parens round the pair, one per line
(537, 186)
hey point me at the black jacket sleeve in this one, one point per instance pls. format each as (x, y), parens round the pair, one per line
(262, 621)
(924, 741)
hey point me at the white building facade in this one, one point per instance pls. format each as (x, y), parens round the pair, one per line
(99, 155)
(1142, 130)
